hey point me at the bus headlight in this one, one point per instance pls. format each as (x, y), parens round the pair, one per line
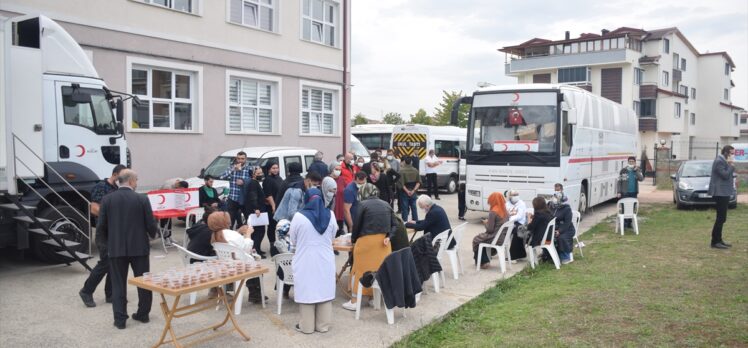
(475, 193)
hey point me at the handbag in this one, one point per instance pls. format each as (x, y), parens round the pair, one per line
(523, 233)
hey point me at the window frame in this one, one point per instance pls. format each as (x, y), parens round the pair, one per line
(197, 6)
(666, 45)
(276, 101)
(196, 93)
(652, 103)
(587, 73)
(336, 24)
(678, 108)
(286, 162)
(338, 111)
(726, 94)
(276, 16)
(692, 120)
(665, 78)
(683, 64)
(693, 92)
(638, 76)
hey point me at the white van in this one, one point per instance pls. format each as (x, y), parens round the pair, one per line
(256, 156)
(448, 143)
(359, 149)
(374, 136)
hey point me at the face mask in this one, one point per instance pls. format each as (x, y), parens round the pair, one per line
(336, 173)
(554, 200)
(360, 186)
(259, 178)
(631, 166)
(558, 194)
(380, 165)
(514, 199)
(350, 162)
(359, 164)
(390, 157)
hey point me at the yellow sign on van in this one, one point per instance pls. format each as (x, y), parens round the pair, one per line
(410, 144)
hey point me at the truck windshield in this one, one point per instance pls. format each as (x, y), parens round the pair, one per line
(88, 108)
(514, 122)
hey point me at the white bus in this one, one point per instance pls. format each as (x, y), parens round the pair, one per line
(448, 143)
(529, 137)
(374, 136)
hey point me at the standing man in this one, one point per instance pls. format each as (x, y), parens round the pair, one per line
(238, 174)
(319, 166)
(628, 183)
(722, 187)
(124, 226)
(102, 188)
(431, 163)
(410, 181)
(347, 168)
(394, 162)
(352, 196)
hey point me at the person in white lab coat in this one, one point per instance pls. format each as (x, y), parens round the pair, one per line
(517, 210)
(312, 231)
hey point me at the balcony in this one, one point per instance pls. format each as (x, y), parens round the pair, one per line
(530, 63)
(648, 91)
(647, 124)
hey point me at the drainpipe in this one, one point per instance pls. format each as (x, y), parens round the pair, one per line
(346, 84)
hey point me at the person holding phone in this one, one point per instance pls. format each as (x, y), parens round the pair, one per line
(238, 174)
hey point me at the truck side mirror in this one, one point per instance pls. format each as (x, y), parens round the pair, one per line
(120, 115)
(571, 116)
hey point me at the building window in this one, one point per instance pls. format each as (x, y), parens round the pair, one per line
(676, 61)
(665, 45)
(637, 108)
(168, 96)
(188, 6)
(683, 64)
(648, 107)
(258, 14)
(320, 22)
(574, 75)
(736, 119)
(677, 110)
(638, 76)
(253, 103)
(665, 78)
(693, 119)
(693, 93)
(744, 120)
(319, 110)
(726, 94)
(684, 90)
(727, 69)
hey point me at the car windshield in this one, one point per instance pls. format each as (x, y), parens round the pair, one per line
(696, 169)
(221, 163)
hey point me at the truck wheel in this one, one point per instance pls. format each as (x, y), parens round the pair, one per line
(48, 253)
(452, 185)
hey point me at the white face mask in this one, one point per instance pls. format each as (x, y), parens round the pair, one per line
(360, 164)
(631, 166)
(350, 162)
(514, 199)
(380, 165)
(390, 157)
(554, 200)
(336, 172)
(360, 186)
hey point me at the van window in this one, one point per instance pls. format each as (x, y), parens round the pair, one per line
(446, 148)
(292, 159)
(308, 159)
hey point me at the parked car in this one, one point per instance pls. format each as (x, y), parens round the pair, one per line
(691, 183)
(256, 156)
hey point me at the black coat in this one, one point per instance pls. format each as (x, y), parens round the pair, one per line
(424, 255)
(373, 216)
(435, 222)
(254, 197)
(205, 200)
(537, 227)
(200, 240)
(399, 280)
(125, 223)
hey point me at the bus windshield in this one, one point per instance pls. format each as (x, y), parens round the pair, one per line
(514, 122)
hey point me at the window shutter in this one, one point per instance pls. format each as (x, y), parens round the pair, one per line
(234, 91)
(235, 122)
(316, 100)
(249, 93)
(305, 122)
(249, 118)
(235, 12)
(327, 124)
(266, 120)
(265, 94)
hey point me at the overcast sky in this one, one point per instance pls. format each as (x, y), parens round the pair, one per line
(405, 52)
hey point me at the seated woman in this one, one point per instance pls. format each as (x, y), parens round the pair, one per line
(564, 228)
(538, 221)
(496, 217)
(200, 235)
(312, 230)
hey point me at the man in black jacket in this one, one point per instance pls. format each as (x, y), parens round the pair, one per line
(374, 216)
(199, 235)
(436, 220)
(124, 226)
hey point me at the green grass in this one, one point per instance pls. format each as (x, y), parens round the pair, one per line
(743, 187)
(664, 184)
(665, 287)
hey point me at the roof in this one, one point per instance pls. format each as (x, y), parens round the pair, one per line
(731, 106)
(721, 53)
(372, 128)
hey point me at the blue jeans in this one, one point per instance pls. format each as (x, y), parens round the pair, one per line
(406, 204)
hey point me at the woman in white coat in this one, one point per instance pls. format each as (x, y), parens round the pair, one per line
(312, 231)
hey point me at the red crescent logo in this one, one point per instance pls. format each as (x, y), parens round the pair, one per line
(163, 199)
(516, 97)
(189, 196)
(528, 147)
(83, 150)
(506, 147)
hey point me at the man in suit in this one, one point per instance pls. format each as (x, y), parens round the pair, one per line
(722, 187)
(436, 220)
(125, 226)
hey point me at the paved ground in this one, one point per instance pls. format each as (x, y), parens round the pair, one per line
(40, 304)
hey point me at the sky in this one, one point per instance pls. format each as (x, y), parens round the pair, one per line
(405, 52)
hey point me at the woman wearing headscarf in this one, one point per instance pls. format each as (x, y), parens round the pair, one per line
(312, 232)
(219, 223)
(561, 210)
(496, 217)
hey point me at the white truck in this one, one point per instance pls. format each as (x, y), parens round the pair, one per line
(60, 136)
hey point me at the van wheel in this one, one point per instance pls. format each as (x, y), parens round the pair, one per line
(452, 185)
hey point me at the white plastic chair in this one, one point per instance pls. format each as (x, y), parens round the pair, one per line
(226, 251)
(195, 214)
(547, 245)
(502, 249)
(283, 261)
(378, 300)
(186, 256)
(575, 218)
(443, 239)
(454, 256)
(628, 208)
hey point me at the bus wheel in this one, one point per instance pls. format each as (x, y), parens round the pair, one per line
(583, 200)
(452, 185)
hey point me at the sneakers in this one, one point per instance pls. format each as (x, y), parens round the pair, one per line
(566, 261)
(720, 246)
(349, 306)
(87, 299)
(120, 325)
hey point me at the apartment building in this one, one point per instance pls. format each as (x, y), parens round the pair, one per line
(743, 127)
(215, 75)
(682, 96)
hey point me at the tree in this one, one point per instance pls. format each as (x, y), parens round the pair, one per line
(393, 118)
(359, 119)
(443, 113)
(421, 117)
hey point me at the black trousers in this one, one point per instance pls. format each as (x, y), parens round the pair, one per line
(97, 274)
(235, 211)
(722, 202)
(431, 182)
(257, 236)
(461, 206)
(118, 271)
(271, 233)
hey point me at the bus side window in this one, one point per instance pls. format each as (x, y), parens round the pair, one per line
(566, 136)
